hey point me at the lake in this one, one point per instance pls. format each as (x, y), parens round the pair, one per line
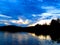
(23, 38)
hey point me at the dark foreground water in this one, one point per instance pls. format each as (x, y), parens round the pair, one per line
(22, 38)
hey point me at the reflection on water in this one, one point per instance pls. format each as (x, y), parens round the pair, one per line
(23, 38)
(17, 39)
(42, 37)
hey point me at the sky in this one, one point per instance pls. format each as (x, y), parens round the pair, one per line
(28, 12)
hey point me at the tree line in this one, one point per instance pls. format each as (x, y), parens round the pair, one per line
(53, 29)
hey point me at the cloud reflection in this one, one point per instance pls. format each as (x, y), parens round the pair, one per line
(24, 38)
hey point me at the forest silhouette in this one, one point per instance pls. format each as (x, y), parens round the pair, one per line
(53, 29)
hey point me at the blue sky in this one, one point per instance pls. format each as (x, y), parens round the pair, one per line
(26, 12)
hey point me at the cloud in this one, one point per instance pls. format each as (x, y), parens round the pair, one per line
(4, 22)
(51, 12)
(41, 22)
(34, 15)
(1, 15)
(46, 17)
(20, 21)
(37, 8)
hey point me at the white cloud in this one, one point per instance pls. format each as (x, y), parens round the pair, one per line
(20, 21)
(34, 15)
(51, 13)
(6, 22)
(46, 17)
(41, 22)
(1, 15)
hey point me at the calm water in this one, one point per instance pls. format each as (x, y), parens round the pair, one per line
(22, 38)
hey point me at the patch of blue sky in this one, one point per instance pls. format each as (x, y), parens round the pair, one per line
(20, 8)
